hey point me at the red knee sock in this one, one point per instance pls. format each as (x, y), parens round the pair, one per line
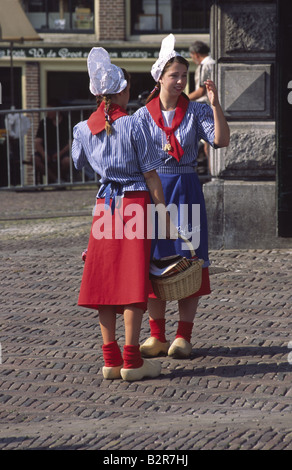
(184, 330)
(112, 355)
(132, 357)
(157, 328)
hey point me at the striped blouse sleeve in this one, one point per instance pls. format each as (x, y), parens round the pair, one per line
(148, 156)
(78, 154)
(206, 128)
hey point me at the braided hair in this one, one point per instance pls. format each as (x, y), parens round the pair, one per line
(107, 102)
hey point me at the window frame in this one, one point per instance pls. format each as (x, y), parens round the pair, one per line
(66, 30)
(157, 19)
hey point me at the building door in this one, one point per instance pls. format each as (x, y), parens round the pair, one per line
(5, 79)
(284, 119)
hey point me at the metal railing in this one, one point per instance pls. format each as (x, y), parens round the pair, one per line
(22, 165)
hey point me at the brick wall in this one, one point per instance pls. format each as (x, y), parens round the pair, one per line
(112, 20)
(32, 85)
(32, 101)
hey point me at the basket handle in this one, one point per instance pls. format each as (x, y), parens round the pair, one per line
(184, 239)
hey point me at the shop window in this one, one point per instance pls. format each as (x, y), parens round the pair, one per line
(165, 16)
(69, 88)
(60, 15)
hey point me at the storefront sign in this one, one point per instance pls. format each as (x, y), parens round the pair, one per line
(82, 53)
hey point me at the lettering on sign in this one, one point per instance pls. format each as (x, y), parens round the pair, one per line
(81, 53)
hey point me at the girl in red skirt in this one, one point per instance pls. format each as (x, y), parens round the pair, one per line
(116, 271)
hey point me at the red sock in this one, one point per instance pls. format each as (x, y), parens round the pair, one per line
(132, 357)
(184, 330)
(112, 355)
(157, 328)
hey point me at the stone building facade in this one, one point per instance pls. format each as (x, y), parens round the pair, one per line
(242, 199)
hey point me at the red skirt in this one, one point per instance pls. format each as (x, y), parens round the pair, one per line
(116, 270)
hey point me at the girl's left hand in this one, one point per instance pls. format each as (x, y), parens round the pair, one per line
(212, 92)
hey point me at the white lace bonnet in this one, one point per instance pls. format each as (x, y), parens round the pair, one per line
(166, 53)
(105, 77)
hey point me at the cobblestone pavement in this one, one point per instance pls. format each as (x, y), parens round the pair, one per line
(234, 392)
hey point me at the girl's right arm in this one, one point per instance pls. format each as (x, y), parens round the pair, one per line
(222, 131)
(78, 154)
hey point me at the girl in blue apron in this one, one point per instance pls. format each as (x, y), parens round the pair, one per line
(177, 126)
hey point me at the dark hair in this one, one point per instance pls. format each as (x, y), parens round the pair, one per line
(108, 101)
(178, 59)
(126, 75)
(199, 47)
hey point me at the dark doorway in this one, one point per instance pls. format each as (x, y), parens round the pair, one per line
(5, 79)
(14, 156)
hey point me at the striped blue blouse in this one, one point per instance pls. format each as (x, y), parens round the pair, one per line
(121, 158)
(197, 124)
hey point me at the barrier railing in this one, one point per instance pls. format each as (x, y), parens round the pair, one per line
(35, 147)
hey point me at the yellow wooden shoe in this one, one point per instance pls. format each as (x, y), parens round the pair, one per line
(180, 349)
(152, 347)
(112, 373)
(149, 369)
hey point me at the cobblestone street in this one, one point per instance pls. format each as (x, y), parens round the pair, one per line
(235, 392)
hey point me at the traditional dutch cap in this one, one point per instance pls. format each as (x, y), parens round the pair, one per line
(105, 77)
(166, 53)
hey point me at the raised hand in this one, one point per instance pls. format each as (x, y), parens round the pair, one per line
(212, 92)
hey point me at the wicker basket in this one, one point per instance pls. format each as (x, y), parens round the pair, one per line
(182, 284)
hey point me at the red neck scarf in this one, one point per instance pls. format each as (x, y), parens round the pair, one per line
(96, 121)
(173, 146)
